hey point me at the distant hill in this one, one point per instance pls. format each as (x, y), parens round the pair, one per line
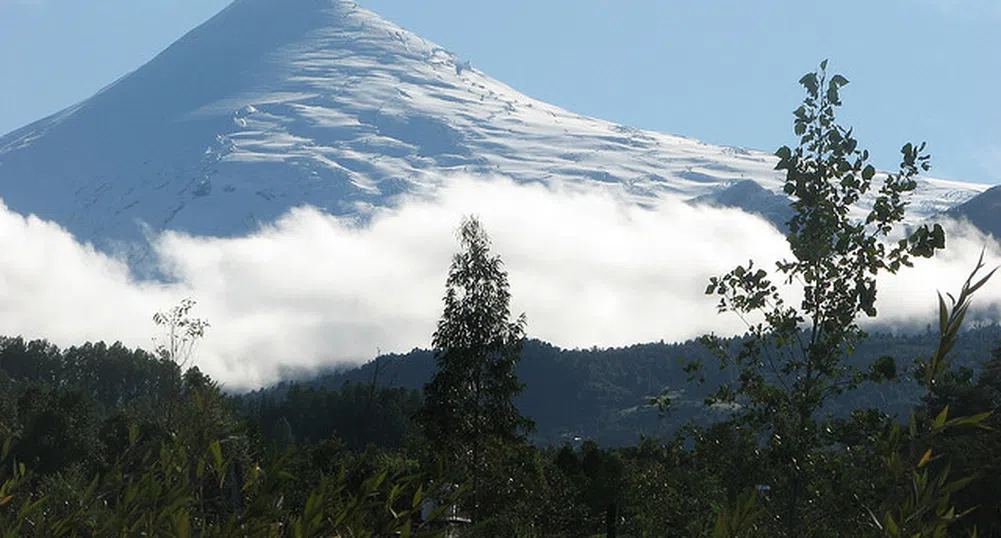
(753, 198)
(983, 211)
(603, 394)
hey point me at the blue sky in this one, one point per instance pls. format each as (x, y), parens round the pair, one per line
(721, 71)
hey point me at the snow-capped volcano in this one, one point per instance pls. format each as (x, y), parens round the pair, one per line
(273, 104)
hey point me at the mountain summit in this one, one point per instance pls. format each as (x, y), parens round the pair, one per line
(273, 104)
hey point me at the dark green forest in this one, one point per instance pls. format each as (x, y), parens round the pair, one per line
(604, 394)
(805, 426)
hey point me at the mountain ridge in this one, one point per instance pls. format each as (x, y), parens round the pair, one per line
(983, 211)
(326, 104)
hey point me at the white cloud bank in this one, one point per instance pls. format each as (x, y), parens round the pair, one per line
(312, 290)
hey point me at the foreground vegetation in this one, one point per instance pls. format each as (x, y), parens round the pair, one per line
(108, 441)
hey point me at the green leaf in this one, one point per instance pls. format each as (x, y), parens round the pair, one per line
(924, 459)
(941, 418)
(971, 420)
(216, 450)
(809, 81)
(983, 281)
(868, 172)
(943, 315)
(890, 524)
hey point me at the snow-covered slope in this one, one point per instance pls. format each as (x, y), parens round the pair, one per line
(983, 211)
(277, 103)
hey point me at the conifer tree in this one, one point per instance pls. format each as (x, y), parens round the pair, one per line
(468, 405)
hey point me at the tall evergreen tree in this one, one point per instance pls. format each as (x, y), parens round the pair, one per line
(468, 405)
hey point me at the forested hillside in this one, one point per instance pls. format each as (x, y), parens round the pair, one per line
(604, 394)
